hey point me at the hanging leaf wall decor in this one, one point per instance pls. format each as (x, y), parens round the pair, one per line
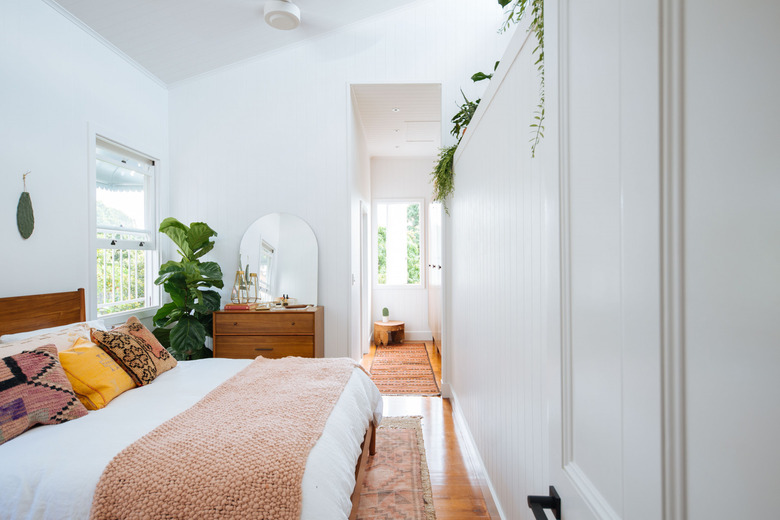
(25, 219)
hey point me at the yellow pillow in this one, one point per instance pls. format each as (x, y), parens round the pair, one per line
(96, 378)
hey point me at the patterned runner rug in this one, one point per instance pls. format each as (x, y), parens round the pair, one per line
(397, 484)
(404, 369)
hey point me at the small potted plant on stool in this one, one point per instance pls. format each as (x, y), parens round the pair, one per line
(385, 314)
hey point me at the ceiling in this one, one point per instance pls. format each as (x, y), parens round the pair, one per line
(178, 39)
(400, 119)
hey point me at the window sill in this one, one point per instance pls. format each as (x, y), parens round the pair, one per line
(145, 315)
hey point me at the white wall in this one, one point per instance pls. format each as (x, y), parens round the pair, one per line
(732, 258)
(56, 81)
(360, 201)
(668, 337)
(403, 178)
(271, 134)
(497, 273)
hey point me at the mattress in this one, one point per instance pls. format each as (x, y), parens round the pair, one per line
(51, 472)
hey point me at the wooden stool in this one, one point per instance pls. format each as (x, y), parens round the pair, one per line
(385, 330)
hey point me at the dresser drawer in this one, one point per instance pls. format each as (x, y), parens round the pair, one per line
(268, 323)
(249, 347)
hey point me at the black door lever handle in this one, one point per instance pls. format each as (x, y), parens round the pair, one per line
(539, 503)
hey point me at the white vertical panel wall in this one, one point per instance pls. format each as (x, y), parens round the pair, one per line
(732, 258)
(498, 234)
(403, 178)
(271, 134)
(360, 197)
(56, 81)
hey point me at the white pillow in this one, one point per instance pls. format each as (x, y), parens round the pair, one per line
(61, 339)
(94, 324)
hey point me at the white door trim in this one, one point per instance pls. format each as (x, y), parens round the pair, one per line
(672, 261)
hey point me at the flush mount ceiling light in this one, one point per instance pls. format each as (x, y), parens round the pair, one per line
(282, 14)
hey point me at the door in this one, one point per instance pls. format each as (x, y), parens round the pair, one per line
(435, 260)
(604, 382)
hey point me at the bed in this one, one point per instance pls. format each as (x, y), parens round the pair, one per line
(52, 471)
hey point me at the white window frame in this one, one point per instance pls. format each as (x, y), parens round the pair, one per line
(151, 224)
(375, 244)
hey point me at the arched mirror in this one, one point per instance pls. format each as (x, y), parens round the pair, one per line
(282, 249)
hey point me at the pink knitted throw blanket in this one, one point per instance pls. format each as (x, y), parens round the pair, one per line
(238, 453)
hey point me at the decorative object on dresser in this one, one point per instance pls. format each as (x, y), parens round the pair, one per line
(271, 334)
(189, 282)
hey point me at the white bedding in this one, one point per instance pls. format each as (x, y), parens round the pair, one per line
(51, 472)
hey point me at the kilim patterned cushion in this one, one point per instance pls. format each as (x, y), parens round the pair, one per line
(136, 350)
(35, 390)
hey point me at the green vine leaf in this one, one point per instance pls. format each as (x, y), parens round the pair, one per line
(515, 13)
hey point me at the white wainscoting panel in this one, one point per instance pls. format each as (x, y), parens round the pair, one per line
(496, 272)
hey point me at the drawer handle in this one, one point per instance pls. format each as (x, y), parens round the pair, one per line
(235, 324)
(291, 324)
(263, 349)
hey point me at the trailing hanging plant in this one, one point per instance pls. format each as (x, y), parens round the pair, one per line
(188, 282)
(443, 176)
(516, 11)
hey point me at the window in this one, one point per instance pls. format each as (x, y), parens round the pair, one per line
(125, 225)
(399, 243)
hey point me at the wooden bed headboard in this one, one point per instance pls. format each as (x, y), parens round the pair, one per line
(38, 311)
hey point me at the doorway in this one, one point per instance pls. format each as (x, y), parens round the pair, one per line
(396, 142)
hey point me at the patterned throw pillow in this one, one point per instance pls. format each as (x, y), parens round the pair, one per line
(136, 350)
(96, 378)
(35, 390)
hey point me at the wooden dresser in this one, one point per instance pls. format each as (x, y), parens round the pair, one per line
(271, 334)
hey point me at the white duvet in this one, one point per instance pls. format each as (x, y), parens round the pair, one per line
(50, 472)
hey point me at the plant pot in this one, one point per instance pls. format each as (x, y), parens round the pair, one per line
(385, 318)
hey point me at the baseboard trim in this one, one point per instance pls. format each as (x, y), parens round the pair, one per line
(418, 335)
(413, 335)
(469, 449)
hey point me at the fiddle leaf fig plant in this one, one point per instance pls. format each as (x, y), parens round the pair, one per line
(189, 283)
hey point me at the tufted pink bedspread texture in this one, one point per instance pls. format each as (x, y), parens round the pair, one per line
(238, 453)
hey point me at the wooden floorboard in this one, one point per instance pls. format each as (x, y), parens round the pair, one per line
(456, 485)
